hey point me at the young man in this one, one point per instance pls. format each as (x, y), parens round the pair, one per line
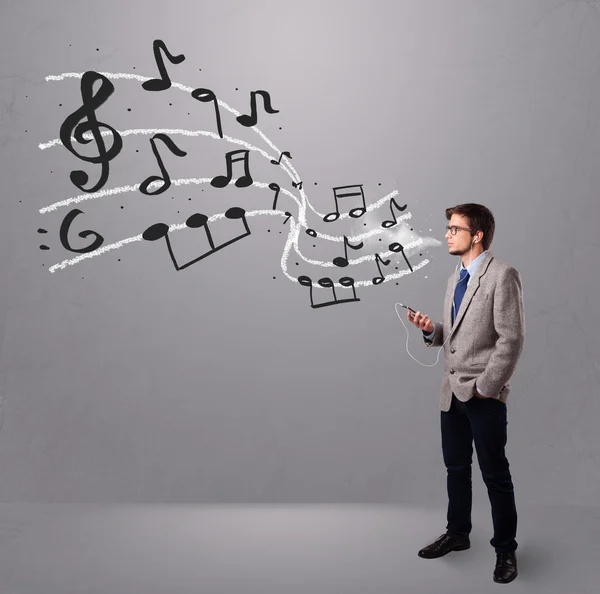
(482, 333)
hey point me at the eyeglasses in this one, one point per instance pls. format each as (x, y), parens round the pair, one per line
(454, 229)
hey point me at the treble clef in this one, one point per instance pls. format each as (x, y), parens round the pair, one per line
(83, 121)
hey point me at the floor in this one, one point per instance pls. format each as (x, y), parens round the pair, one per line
(317, 549)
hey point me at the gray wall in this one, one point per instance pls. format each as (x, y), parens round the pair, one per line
(122, 379)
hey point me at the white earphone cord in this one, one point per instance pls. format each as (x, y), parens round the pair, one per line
(407, 332)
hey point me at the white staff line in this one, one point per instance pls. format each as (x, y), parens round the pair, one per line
(129, 76)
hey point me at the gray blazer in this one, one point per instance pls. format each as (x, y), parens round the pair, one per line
(486, 340)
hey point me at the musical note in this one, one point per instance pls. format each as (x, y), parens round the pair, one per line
(379, 279)
(398, 247)
(196, 221)
(205, 96)
(164, 82)
(64, 234)
(388, 224)
(220, 181)
(288, 215)
(284, 154)
(165, 175)
(250, 120)
(355, 212)
(297, 185)
(275, 187)
(311, 232)
(72, 126)
(326, 282)
(343, 261)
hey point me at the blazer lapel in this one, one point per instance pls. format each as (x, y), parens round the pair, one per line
(471, 289)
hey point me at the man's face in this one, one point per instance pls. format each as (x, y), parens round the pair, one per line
(460, 243)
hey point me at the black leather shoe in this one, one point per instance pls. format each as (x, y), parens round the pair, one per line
(443, 545)
(506, 567)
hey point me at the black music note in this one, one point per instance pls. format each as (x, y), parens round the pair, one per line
(343, 261)
(275, 187)
(288, 215)
(297, 185)
(73, 126)
(379, 279)
(205, 96)
(326, 282)
(164, 82)
(220, 181)
(355, 212)
(165, 175)
(311, 232)
(284, 154)
(197, 220)
(398, 247)
(388, 224)
(250, 120)
(64, 234)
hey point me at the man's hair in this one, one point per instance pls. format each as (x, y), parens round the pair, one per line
(480, 219)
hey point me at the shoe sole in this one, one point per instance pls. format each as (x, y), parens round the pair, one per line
(506, 581)
(456, 548)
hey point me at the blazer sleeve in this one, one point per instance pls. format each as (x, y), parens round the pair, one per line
(509, 323)
(436, 338)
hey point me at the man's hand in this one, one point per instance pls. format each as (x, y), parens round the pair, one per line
(477, 394)
(420, 320)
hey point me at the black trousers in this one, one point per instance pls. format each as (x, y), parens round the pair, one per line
(483, 421)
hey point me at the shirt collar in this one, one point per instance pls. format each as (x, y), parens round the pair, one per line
(472, 267)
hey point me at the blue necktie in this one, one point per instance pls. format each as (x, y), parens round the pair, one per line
(459, 291)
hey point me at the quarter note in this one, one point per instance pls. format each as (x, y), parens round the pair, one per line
(326, 282)
(388, 224)
(398, 247)
(197, 221)
(343, 261)
(284, 154)
(346, 192)
(76, 125)
(206, 96)
(250, 120)
(275, 187)
(164, 82)
(297, 185)
(220, 181)
(165, 175)
(379, 279)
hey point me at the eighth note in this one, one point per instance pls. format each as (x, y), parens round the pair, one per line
(398, 247)
(165, 175)
(343, 261)
(388, 224)
(164, 82)
(205, 96)
(284, 154)
(196, 221)
(297, 185)
(220, 181)
(355, 212)
(275, 187)
(250, 120)
(326, 282)
(379, 279)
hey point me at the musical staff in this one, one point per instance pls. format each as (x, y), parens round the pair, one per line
(398, 247)
(197, 221)
(76, 125)
(347, 192)
(165, 175)
(388, 224)
(379, 279)
(220, 181)
(342, 261)
(326, 282)
(206, 96)
(283, 154)
(164, 82)
(250, 120)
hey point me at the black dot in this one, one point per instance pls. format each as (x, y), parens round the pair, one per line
(380, 239)
(97, 49)
(122, 207)
(69, 45)
(119, 259)
(236, 89)
(200, 69)
(280, 233)
(315, 183)
(280, 127)
(60, 105)
(396, 283)
(268, 230)
(52, 172)
(273, 278)
(129, 109)
(314, 245)
(137, 150)
(170, 104)
(297, 264)
(379, 184)
(133, 67)
(189, 198)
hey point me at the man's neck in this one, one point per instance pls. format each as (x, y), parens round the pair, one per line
(467, 258)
